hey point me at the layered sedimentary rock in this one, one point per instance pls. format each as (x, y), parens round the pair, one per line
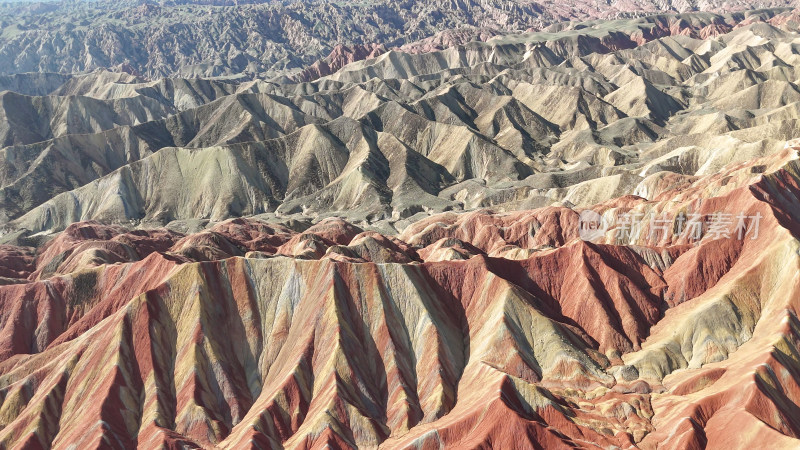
(271, 38)
(584, 236)
(468, 329)
(581, 114)
(339, 57)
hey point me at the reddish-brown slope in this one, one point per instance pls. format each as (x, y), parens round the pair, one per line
(467, 330)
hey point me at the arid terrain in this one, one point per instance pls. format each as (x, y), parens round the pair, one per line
(496, 225)
(271, 38)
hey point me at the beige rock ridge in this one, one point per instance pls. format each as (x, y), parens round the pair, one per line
(568, 117)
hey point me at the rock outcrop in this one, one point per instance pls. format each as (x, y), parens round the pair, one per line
(468, 329)
(571, 117)
(581, 235)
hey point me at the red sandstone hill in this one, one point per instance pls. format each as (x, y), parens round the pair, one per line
(501, 330)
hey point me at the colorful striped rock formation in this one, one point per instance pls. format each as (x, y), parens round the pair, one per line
(427, 224)
(493, 330)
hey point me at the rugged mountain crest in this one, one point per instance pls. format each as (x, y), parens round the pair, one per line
(419, 225)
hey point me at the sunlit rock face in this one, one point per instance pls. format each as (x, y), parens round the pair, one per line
(578, 115)
(585, 236)
(467, 329)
